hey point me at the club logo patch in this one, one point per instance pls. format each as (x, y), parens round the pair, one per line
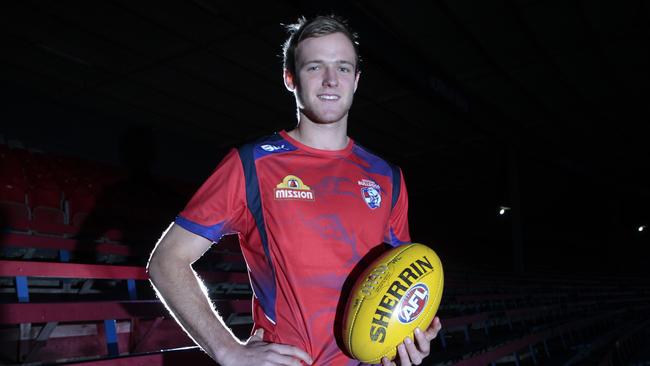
(371, 193)
(292, 188)
(372, 197)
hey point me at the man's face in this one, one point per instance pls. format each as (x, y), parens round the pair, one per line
(326, 79)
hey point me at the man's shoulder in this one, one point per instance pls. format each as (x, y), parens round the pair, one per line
(264, 146)
(260, 141)
(371, 155)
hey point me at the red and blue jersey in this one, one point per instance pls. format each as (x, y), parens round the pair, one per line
(305, 217)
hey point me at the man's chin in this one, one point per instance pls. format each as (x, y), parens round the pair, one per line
(326, 122)
(325, 119)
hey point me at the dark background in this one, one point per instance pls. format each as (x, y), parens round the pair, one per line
(540, 106)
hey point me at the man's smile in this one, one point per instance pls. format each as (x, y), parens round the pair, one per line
(328, 97)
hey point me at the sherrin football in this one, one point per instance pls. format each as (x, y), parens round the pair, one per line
(397, 293)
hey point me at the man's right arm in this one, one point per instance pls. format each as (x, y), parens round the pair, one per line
(171, 273)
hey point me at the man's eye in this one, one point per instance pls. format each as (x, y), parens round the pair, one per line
(344, 69)
(312, 68)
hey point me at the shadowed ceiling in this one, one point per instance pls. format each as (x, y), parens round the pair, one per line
(465, 95)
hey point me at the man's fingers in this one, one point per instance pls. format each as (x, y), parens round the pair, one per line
(432, 332)
(287, 350)
(414, 354)
(404, 359)
(279, 359)
(277, 354)
(423, 342)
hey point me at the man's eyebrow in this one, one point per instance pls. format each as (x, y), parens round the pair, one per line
(340, 62)
(346, 63)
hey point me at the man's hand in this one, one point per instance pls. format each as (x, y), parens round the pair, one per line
(407, 352)
(256, 352)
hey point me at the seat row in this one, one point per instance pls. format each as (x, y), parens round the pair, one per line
(137, 323)
(55, 195)
(94, 309)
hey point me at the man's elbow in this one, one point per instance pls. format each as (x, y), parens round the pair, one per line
(153, 267)
(159, 263)
(164, 261)
(161, 250)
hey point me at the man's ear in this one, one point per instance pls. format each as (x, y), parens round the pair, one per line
(356, 81)
(289, 80)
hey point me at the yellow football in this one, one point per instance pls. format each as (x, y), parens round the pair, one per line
(397, 293)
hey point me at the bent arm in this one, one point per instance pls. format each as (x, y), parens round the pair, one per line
(177, 285)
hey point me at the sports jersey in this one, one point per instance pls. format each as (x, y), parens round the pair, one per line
(304, 217)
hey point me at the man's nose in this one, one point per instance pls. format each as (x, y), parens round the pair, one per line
(330, 78)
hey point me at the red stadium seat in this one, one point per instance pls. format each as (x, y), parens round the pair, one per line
(115, 235)
(14, 216)
(10, 191)
(45, 196)
(78, 219)
(47, 215)
(14, 212)
(81, 200)
(39, 176)
(80, 204)
(48, 220)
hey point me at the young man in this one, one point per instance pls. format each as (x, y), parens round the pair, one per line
(307, 205)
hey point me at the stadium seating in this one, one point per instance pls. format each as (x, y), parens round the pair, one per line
(55, 311)
(122, 321)
(73, 289)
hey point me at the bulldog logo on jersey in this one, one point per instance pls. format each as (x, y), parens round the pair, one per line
(370, 193)
(292, 188)
(371, 196)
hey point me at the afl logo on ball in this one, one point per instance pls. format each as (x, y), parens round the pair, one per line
(412, 303)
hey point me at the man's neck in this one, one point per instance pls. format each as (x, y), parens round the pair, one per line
(332, 136)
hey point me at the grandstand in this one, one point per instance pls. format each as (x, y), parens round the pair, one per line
(74, 295)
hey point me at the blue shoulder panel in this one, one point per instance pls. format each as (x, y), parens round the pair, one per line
(248, 154)
(381, 166)
(397, 184)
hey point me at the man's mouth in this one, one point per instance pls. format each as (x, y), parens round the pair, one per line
(329, 97)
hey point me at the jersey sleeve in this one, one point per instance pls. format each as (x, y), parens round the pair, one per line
(219, 206)
(398, 226)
